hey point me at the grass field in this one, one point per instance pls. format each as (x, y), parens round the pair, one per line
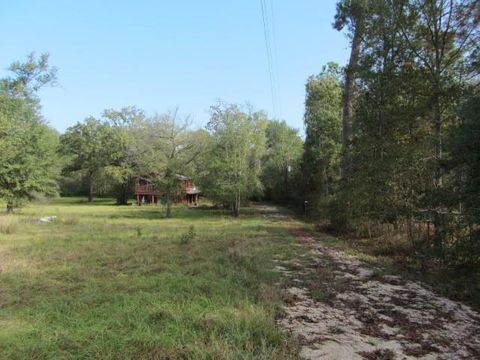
(123, 282)
(112, 282)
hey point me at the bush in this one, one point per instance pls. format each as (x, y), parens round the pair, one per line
(338, 214)
(185, 238)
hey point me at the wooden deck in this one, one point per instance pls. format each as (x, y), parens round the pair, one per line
(146, 190)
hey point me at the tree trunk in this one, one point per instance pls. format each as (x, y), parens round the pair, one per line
(9, 207)
(168, 211)
(348, 96)
(236, 206)
(323, 179)
(122, 198)
(437, 130)
(286, 180)
(90, 190)
(437, 176)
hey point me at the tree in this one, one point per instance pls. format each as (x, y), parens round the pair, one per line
(351, 14)
(441, 35)
(323, 113)
(90, 146)
(281, 159)
(126, 125)
(27, 144)
(170, 152)
(414, 66)
(465, 168)
(238, 144)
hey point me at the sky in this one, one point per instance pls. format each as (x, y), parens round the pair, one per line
(158, 55)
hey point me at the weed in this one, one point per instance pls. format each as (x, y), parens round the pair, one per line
(336, 330)
(188, 236)
(379, 354)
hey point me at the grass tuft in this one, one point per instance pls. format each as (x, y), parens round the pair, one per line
(188, 236)
(9, 224)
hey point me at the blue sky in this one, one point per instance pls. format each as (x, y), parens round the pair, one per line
(161, 54)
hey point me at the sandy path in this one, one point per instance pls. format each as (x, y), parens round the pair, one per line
(366, 315)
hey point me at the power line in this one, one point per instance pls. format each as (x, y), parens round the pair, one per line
(275, 58)
(268, 49)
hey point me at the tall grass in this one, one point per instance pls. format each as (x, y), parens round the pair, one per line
(9, 224)
(127, 283)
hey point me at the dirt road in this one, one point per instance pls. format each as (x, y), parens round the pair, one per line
(365, 315)
(341, 308)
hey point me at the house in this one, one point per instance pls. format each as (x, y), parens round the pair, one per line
(190, 193)
(146, 193)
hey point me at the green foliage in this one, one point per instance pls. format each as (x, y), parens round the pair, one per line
(125, 157)
(91, 147)
(281, 161)
(28, 146)
(29, 77)
(465, 166)
(412, 66)
(321, 157)
(170, 149)
(237, 148)
(188, 236)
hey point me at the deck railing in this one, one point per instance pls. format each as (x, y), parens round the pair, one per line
(144, 188)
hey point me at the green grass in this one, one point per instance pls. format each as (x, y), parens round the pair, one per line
(121, 282)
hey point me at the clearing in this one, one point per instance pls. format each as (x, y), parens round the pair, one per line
(111, 282)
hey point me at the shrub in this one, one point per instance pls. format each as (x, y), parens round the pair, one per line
(186, 237)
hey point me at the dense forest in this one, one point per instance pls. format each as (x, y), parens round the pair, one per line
(391, 148)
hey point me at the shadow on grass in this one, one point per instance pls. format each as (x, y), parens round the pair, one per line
(84, 201)
(151, 212)
(177, 213)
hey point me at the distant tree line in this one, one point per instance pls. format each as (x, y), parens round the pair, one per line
(239, 155)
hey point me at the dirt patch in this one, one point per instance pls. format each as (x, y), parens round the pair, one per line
(341, 308)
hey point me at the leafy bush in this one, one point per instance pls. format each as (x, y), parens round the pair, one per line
(188, 236)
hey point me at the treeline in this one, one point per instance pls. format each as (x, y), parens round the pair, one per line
(241, 154)
(393, 140)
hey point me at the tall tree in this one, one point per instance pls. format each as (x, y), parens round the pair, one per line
(27, 144)
(238, 145)
(90, 146)
(171, 151)
(323, 113)
(440, 34)
(126, 124)
(281, 160)
(465, 166)
(350, 14)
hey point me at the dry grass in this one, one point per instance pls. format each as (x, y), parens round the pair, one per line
(9, 224)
